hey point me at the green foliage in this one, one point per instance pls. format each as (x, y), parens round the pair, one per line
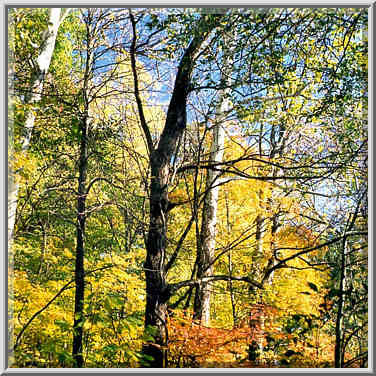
(295, 166)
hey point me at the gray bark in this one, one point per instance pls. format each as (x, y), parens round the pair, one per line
(160, 159)
(206, 245)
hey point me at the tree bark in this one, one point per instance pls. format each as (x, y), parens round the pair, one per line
(36, 88)
(79, 272)
(206, 246)
(338, 360)
(256, 348)
(160, 159)
(205, 251)
(277, 145)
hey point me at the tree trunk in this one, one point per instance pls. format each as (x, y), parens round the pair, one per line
(205, 251)
(155, 315)
(276, 149)
(256, 348)
(338, 363)
(79, 272)
(230, 265)
(160, 159)
(206, 248)
(36, 88)
(231, 288)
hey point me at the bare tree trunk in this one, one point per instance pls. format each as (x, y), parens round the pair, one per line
(79, 272)
(277, 144)
(207, 242)
(36, 88)
(160, 159)
(206, 248)
(259, 235)
(338, 359)
(230, 266)
(256, 349)
(231, 288)
(260, 228)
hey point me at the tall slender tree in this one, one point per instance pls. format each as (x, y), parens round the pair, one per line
(40, 62)
(207, 241)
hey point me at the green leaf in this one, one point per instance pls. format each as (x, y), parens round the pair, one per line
(107, 305)
(64, 326)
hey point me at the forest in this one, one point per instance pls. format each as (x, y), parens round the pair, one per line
(187, 187)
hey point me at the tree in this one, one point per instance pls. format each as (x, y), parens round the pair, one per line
(96, 24)
(27, 85)
(38, 53)
(207, 237)
(81, 134)
(292, 167)
(156, 288)
(128, 164)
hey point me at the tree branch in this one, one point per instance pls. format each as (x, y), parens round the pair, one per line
(282, 262)
(132, 51)
(65, 287)
(173, 288)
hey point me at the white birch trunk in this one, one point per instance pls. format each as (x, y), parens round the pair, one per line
(36, 87)
(209, 221)
(209, 218)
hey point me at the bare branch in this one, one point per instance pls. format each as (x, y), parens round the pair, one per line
(132, 51)
(173, 288)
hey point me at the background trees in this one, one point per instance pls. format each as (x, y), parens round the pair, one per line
(130, 146)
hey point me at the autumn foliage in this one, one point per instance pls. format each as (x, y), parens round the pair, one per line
(188, 188)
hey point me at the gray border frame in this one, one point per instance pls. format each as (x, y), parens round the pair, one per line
(5, 5)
